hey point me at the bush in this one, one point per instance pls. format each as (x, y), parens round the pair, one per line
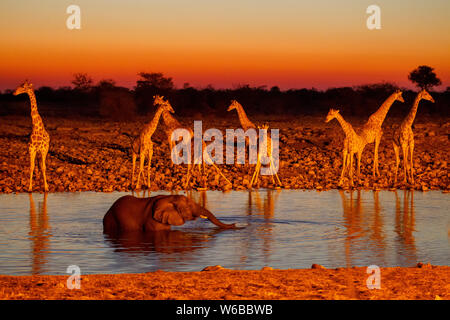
(117, 104)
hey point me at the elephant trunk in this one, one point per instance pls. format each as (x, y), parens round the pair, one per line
(213, 219)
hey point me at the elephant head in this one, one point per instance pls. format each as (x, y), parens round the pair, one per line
(175, 210)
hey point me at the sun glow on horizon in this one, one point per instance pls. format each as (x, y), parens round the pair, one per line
(289, 44)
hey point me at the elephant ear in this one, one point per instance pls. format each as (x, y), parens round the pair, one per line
(166, 212)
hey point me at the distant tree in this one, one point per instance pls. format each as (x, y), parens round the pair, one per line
(154, 80)
(106, 84)
(275, 89)
(82, 81)
(117, 103)
(45, 92)
(150, 84)
(382, 87)
(424, 77)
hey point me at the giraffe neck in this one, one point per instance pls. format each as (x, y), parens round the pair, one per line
(170, 121)
(412, 113)
(151, 127)
(35, 117)
(379, 116)
(245, 122)
(347, 127)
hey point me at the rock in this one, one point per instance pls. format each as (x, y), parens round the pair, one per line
(266, 269)
(317, 266)
(423, 265)
(213, 268)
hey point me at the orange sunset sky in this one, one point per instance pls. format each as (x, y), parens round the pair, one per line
(289, 43)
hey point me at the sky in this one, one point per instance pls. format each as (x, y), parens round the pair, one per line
(288, 43)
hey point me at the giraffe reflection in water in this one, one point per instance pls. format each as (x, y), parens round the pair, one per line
(366, 228)
(404, 227)
(39, 234)
(264, 231)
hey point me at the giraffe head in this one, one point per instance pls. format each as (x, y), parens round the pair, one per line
(331, 115)
(398, 96)
(234, 105)
(425, 95)
(265, 126)
(25, 87)
(163, 104)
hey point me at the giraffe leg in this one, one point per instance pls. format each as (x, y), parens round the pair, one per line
(188, 176)
(149, 167)
(203, 174)
(344, 166)
(43, 168)
(274, 172)
(257, 171)
(141, 169)
(411, 150)
(171, 148)
(397, 160)
(218, 170)
(32, 158)
(405, 161)
(132, 169)
(359, 166)
(257, 167)
(351, 168)
(375, 157)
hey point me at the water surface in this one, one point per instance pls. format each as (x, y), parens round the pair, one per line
(283, 229)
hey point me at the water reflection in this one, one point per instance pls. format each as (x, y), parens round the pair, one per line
(366, 230)
(199, 197)
(39, 234)
(265, 208)
(283, 229)
(263, 229)
(167, 241)
(405, 227)
(364, 227)
(141, 193)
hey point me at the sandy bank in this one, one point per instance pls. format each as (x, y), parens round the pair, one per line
(426, 282)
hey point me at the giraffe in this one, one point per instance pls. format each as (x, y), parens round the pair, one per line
(246, 125)
(372, 132)
(404, 138)
(172, 124)
(40, 139)
(353, 144)
(265, 145)
(243, 119)
(143, 144)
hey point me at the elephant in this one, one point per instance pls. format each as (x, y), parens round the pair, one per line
(156, 213)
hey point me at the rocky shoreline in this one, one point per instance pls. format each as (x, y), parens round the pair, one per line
(94, 155)
(423, 282)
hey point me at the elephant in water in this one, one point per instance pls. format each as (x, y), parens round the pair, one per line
(129, 213)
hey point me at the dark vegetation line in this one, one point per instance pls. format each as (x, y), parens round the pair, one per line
(107, 101)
